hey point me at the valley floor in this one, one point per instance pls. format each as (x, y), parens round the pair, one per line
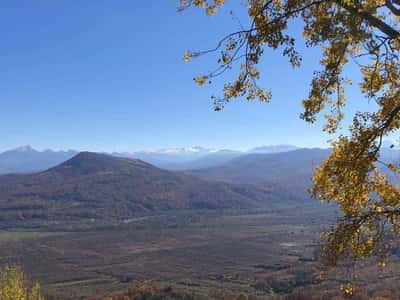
(261, 253)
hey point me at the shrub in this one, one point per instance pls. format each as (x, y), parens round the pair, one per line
(13, 285)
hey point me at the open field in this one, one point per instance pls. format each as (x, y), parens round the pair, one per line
(13, 236)
(263, 253)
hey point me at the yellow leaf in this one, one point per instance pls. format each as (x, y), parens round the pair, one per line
(201, 80)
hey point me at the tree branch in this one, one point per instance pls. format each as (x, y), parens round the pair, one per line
(393, 8)
(372, 20)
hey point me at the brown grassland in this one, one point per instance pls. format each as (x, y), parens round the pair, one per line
(265, 254)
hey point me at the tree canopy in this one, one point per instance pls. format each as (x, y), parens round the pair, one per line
(361, 32)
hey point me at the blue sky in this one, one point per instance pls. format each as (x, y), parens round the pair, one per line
(109, 76)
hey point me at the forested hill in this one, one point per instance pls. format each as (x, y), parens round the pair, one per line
(94, 185)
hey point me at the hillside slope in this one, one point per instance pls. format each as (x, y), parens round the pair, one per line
(96, 185)
(290, 170)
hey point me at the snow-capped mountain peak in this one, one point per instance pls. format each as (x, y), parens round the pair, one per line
(182, 150)
(25, 148)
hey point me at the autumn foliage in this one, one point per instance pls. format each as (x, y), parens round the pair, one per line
(364, 33)
(14, 285)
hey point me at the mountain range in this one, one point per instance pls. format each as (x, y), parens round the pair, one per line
(290, 170)
(92, 185)
(25, 159)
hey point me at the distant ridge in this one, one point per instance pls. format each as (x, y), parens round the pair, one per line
(273, 149)
(92, 185)
(291, 170)
(26, 159)
(197, 157)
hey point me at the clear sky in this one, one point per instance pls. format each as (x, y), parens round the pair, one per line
(109, 76)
